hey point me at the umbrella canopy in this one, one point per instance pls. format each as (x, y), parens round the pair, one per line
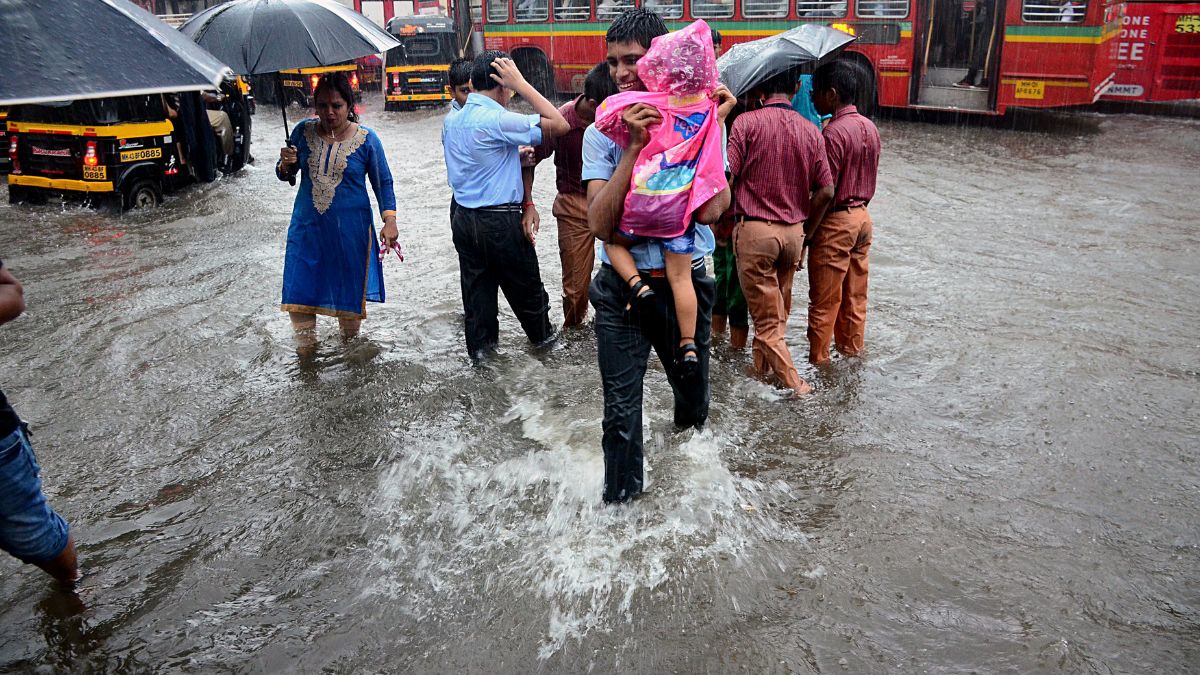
(54, 51)
(266, 36)
(803, 49)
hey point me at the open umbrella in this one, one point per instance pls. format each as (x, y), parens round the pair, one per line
(802, 49)
(267, 36)
(55, 51)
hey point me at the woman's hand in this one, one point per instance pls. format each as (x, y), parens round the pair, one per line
(287, 159)
(389, 234)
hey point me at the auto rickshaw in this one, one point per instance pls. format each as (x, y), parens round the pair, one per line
(299, 85)
(5, 162)
(418, 71)
(128, 149)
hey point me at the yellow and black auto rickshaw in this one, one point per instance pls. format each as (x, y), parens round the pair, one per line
(299, 85)
(417, 72)
(128, 149)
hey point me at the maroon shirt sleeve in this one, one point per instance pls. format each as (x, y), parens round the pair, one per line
(734, 150)
(835, 155)
(822, 176)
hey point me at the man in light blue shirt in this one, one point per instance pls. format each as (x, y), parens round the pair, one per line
(626, 328)
(494, 226)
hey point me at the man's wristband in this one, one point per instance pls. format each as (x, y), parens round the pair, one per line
(526, 205)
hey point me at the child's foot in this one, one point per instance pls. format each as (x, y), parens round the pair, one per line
(687, 365)
(641, 307)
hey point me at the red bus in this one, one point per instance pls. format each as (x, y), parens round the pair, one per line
(1158, 52)
(1043, 53)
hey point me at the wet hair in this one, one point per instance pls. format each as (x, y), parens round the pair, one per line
(481, 70)
(839, 76)
(460, 72)
(783, 83)
(716, 36)
(338, 83)
(635, 25)
(599, 84)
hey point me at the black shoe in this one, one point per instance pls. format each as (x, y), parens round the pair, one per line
(642, 309)
(687, 366)
(965, 83)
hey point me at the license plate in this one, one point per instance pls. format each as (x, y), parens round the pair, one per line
(95, 173)
(144, 153)
(1187, 23)
(1031, 89)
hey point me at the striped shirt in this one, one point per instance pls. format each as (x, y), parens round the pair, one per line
(777, 161)
(852, 146)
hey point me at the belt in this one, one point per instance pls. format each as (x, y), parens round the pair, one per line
(498, 208)
(658, 273)
(742, 219)
(847, 207)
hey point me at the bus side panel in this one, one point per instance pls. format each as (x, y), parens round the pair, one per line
(1159, 53)
(1050, 65)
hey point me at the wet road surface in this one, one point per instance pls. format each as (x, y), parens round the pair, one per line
(1007, 482)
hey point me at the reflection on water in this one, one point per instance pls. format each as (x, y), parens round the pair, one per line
(1005, 482)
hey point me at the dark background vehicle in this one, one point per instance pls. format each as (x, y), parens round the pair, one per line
(121, 149)
(298, 84)
(417, 72)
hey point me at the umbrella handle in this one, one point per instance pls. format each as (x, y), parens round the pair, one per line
(287, 137)
(292, 173)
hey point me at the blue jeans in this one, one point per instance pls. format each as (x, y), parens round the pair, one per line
(623, 351)
(29, 529)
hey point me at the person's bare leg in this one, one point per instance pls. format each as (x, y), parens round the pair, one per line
(305, 327)
(679, 275)
(622, 263)
(719, 321)
(65, 566)
(738, 338)
(349, 327)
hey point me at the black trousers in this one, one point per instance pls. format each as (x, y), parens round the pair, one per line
(493, 254)
(624, 351)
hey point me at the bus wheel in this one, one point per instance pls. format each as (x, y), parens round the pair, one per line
(142, 194)
(868, 92)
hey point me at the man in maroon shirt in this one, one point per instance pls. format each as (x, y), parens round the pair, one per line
(837, 262)
(781, 186)
(576, 245)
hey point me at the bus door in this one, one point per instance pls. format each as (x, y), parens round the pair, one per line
(958, 54)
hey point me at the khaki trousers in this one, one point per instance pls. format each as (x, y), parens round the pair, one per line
(577, 251)
(837, 284)
(767, 254)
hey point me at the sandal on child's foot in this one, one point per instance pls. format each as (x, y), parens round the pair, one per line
(641, 307)
(687, 365)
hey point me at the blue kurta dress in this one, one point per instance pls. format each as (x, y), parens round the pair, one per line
(332, 262)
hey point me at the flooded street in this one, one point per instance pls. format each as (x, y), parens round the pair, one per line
(1007, 482)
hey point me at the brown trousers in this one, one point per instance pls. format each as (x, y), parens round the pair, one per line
(577, 251)
(837, 284)
(767, 255)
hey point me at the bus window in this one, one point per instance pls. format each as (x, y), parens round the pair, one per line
(754, 9)
(609, 9)
(532, 10)
(476, 10)
(712, 9)
(883, 9)
(1053, 11)
(572, 10)
(821, 9)
(667, 9)
(497, 11)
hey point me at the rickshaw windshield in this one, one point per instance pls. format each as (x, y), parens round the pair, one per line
(119, 110)
(422, 50)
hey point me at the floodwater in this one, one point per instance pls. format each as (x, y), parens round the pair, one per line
(1007, 482)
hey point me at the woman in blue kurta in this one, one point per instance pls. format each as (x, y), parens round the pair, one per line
(332, 266)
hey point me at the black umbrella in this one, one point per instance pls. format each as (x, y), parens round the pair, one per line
(802, 49)
(54, 51)
(267, 36)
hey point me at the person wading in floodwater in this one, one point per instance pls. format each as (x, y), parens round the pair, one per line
(493, 224)
(624, 343)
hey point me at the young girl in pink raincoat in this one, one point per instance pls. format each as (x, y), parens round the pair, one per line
(680, 169)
